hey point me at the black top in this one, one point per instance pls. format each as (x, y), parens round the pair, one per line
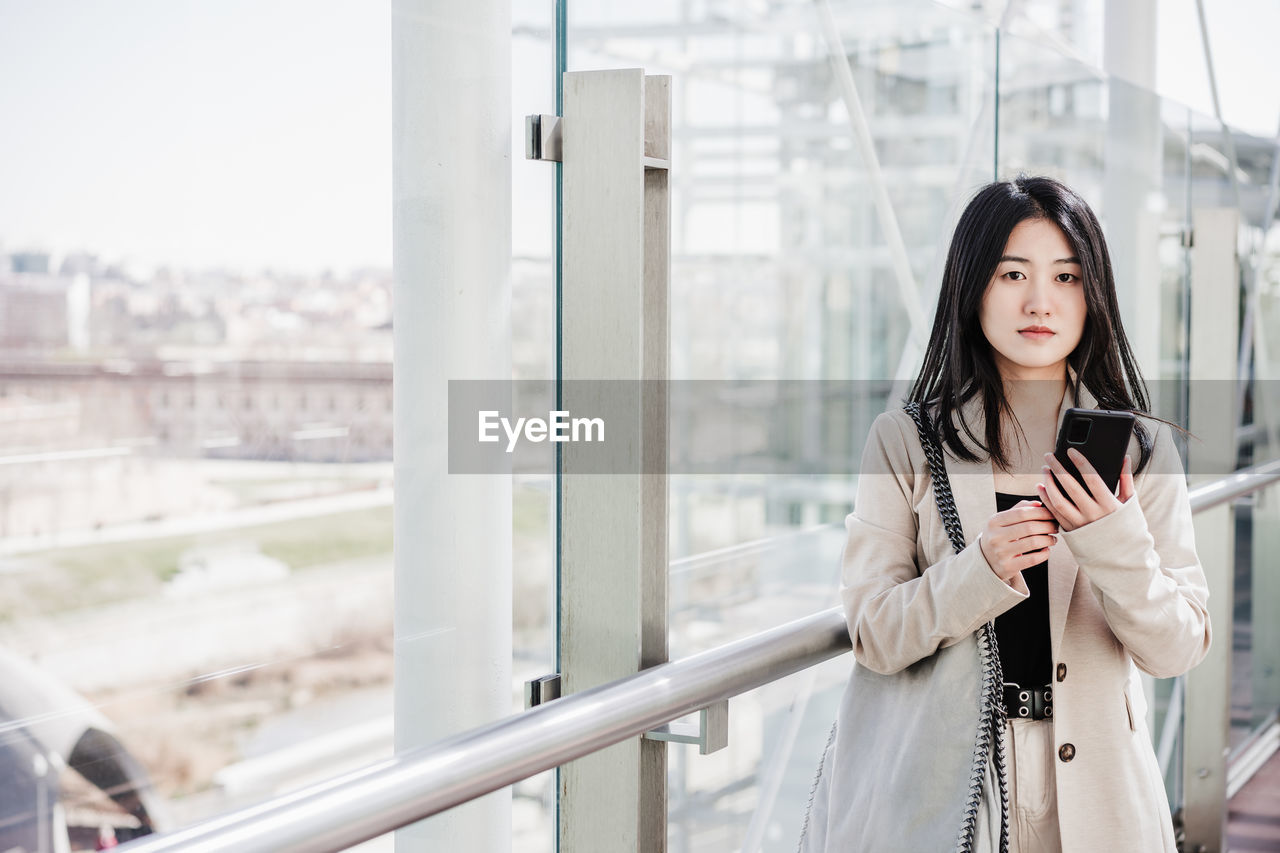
(1022, 631)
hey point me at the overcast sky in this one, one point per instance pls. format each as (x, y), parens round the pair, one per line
(252, 132)
(239, 131)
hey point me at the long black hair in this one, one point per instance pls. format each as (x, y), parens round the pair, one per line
(958, 362)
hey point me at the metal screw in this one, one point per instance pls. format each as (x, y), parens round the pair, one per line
(1202, 773)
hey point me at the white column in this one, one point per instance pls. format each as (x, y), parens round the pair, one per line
(1214, 333)
(1132, 178)
(1133, 172)
(451, 137)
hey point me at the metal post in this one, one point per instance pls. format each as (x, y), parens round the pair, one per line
(1264, 653)
(616, 139)
(40, 772)
(451, 137)
(1215, 297)
(1264, 602)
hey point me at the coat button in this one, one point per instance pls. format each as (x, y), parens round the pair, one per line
(1067, 752)
(1062, 672)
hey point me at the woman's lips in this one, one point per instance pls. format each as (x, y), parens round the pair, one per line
(1036, 336)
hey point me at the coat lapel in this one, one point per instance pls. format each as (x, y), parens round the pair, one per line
(974, 489)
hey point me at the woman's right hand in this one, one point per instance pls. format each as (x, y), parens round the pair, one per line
(1018, 538)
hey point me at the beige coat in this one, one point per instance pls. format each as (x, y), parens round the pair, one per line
(1126, 592)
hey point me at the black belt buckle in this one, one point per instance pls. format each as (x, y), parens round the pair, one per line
(1028, 703)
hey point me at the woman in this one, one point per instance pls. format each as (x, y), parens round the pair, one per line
(1086, 588)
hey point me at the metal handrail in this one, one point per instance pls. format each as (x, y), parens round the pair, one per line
(416, 784)
(340, 812)
(1235, 485)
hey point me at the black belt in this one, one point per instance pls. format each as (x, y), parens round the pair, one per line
(1028, 703)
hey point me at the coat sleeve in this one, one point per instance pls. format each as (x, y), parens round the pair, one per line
(896, 614)
(1141, 560)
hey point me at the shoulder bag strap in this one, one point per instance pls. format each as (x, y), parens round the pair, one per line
(938, 472)
(992, 705)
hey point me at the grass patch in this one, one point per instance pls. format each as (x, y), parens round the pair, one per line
(73, 578)
(256, 490)
(329, 539)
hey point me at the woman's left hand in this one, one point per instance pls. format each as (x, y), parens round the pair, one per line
(1078, 506)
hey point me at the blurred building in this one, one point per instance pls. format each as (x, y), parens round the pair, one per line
(88, 445)
(42, 311)
(284, 411)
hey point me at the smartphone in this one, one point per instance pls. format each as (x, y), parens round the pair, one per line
(1102, 436)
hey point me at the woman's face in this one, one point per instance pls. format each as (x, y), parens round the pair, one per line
(1036, 286)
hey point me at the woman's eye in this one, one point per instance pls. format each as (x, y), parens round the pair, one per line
(1066, 278)
(1010, 275)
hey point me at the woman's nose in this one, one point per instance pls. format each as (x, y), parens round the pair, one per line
(1039, 297)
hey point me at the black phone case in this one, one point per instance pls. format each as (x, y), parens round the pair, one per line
(1104, 446)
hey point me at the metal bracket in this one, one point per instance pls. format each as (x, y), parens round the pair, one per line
(711, 734)
(541, 690)
(542, 138)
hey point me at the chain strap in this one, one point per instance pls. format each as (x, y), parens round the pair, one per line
(991, 702)
(941, 483)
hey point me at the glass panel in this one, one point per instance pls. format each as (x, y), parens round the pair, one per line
(753, 794)
(1235, 173)
(1169, 397)
(195, 410)
(1263, 634)
(781, 279)
(1062, 116)
(1175, 262)
(1052, 109)
(533, 357)
(1253, 692)
(779, 268)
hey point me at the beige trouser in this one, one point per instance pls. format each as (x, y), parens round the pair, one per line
(1033, 794)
